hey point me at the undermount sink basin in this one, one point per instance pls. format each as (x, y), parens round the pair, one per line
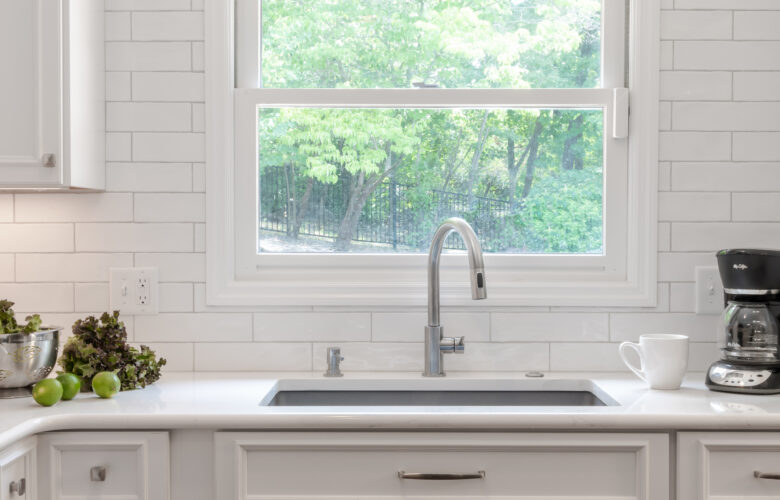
(355, 393)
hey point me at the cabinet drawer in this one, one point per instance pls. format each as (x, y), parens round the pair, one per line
(367, 465)
(721, 465)
(17, 471)
(126, 465)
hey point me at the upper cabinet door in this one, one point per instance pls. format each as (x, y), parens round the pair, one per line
(30, 93)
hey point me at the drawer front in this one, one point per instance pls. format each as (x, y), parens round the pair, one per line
(722, 465)
(17, 471)
(363, 465)
(115, 465)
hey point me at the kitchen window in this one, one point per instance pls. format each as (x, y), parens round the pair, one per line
(341, 132)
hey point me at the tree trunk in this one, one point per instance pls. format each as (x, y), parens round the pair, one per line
(530, 164)
(514, 166)
(571, 158)
(302, 209)
(473, 171)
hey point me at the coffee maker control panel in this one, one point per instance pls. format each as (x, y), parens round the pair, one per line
(730, 376)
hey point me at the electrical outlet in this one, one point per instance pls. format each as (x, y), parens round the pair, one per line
(133, 290)
(709, 291)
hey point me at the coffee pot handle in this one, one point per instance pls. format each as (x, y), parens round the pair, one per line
(622, 350)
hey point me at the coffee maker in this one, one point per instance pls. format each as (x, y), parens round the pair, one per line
(749, 326)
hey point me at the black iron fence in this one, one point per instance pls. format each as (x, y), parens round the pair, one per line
(397, 215)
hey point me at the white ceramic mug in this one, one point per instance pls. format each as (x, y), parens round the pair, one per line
(663, 359)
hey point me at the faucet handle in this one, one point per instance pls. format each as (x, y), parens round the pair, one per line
(334, 358)
(455, 345)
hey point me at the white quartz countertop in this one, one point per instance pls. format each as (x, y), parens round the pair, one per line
(232, 401)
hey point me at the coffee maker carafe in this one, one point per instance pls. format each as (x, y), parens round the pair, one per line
(749, 326)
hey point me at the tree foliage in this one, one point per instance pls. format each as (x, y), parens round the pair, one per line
(545, 166)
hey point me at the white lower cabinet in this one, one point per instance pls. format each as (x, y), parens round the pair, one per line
(724, 465)
(104, 465)
(389, 465)
(17, 471)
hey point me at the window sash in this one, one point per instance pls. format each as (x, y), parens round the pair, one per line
(561, 280)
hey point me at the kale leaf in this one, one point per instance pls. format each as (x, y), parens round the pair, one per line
(8, 322)
(98, 346)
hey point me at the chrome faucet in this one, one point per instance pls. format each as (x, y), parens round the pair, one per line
(436, 344)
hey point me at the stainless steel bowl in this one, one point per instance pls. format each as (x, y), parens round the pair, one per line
(26, 358)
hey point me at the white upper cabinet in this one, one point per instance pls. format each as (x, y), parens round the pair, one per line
(52, 94)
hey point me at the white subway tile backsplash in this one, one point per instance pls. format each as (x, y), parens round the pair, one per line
(168, 86)
(307, 327)
(756, 25)
(99, 237)
(117, 86)
(175, 297)
(726, 115)
(201, 327)
(176, 267)
(682, 266)
(374, 357)
(198, 117)
(149, 177)
(701, 355)
(757, 86)
(676, 206)
(695, 85)
(68, 267)
(38, 297)
(268, 356)
(682, 297)
(200, 237)
(410, 327)
(199, 177)
(725, 176)
(91, 297)
(695, 25)
(166, 26)
(6, 208)
(629, 326)
(179, 356)
(727, 4)
(667, 56)
(757, 146)
(530, 327)
(7, 272)
(118, 146)
(198, 56)
(688, 237)
(148, 56)
(117, 26)
(81, 207)
(168, 147)
(756, 207)
(148, 117)
(664, 176)
(664, 237)
(501, 357)
(665, 115)
(170, 207)
(735, 56)
(576, 357)
(36, 238)
(695, 146)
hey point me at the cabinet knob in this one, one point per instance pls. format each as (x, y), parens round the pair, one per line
(97, 474)
(18, 488)
(763, 475)
(49, 160)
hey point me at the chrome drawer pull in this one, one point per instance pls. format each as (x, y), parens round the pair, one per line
(18, 487)
(440, 477)
(761, 475)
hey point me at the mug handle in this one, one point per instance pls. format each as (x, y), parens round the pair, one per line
(622, 350)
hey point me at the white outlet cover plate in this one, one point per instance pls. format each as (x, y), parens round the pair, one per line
(128, 295)
(709, 290)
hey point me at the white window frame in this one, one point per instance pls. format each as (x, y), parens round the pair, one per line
(624, 276)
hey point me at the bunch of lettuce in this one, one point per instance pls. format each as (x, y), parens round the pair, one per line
(8, 322)
(98, 346)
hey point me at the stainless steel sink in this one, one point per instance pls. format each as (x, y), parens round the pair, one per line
(436, 393)
(435, 398)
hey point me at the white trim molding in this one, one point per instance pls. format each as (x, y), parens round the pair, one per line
(625, 275)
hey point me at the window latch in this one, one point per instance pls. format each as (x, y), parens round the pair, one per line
(619, 113)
